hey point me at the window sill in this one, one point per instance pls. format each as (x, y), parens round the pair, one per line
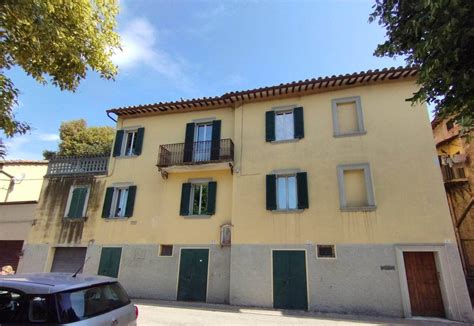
(76, 219)
(197, 216)
(359, 209)
(350, 134)
(126, 156)
(294, 140)
(116, 218)
(287, 211)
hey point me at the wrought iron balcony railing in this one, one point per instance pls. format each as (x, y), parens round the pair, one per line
(201, 152)
(73, 165)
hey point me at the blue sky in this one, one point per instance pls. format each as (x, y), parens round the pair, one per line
(186, 49)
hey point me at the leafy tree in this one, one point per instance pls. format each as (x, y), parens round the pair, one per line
(76, 139)
(437, 36)
(47, 155)
(59, 41)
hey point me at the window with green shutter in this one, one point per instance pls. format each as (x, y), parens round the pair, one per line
(287, 191)
(198, 198)
(77, 202)
(282, 124)
(119, 202)
(129, 142)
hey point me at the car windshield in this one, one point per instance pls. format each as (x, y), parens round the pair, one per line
(10, 304)
(81, 304)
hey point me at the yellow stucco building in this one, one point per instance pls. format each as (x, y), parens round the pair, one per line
(323, 194)
(20, 185)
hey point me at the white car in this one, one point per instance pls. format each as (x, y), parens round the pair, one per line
(64, 299)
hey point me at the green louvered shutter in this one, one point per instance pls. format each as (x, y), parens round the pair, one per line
(216, 140)
(109, 264)
(185, 197)
(132, 190)
(298, 122)
(109, 193)
(139, 141)
(302, 188)
(77, 203)
(211, 198)
(118, 143)
(270, 126)
(271, 192)
(188, 143)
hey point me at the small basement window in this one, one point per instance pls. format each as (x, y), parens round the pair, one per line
(326, 251)
(166, 250)
(347, 116)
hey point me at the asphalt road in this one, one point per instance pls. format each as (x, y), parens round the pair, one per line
(180, 313)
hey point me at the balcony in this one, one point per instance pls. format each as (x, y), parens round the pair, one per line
(196, 155)
(77, 165)
(453, 175)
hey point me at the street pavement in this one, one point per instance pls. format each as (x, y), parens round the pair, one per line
(155, 312)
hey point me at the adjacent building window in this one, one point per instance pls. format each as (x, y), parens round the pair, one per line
(166, 250)
(326, 251)
(450, 124)
(119, 202)
(77, 202)
(355, 187)
(129, 142)
(287, 191)
(347, 116)
(284, 124)
(198, 198)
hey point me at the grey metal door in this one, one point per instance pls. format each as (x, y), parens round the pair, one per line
(68, 260)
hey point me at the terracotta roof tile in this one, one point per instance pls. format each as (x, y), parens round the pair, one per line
(294, 88)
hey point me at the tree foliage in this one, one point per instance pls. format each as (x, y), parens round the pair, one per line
(76, 139)
(56, 41)
(437, 36)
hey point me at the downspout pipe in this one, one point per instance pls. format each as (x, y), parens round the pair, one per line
(108, 114)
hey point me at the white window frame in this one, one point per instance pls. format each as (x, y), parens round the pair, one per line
(126, 132)
(113, 207)
(191, 197)
(360, 117)
(69, 199)
(286, 176)
(368, 186)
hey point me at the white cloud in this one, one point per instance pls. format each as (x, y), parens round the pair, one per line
(139, 47)
(48, 137)
(29, 146)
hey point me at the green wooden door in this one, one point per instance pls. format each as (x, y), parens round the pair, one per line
(289, 280)
(110, 262)
(192, 284)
